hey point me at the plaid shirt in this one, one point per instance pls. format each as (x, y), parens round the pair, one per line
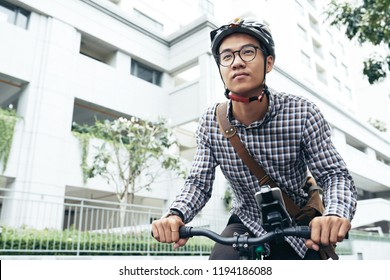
(292, 137)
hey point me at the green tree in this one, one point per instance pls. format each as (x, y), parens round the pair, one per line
(8, 119)
(378, 124)
(368, 21)
(130, 150)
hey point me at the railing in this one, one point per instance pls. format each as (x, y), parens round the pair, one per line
(74, 226)
(36, 224)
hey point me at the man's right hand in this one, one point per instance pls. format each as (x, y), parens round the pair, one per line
(166, 230)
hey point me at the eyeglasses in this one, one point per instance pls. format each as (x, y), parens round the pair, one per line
(246, 53)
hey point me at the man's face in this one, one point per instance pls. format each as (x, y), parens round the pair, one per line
(243, 78)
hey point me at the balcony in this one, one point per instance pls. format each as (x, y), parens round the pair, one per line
(370, 174)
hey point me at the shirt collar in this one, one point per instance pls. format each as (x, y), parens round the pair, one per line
(273, 107)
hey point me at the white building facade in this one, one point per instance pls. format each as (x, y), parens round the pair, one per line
(64, 61)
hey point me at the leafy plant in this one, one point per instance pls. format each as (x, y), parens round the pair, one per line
(228, 197)
(369, 22)
(379, 125)
(29, 241)
(8, 119)
(131, 149)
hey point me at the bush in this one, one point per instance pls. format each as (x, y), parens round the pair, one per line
(27, 241)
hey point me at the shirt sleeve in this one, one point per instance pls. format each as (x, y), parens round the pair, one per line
(328, 167)
(198, 185)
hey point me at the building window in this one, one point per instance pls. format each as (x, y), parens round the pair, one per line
(96, 49)
(314, 24)
(14, 14)
(333, 59)
(10, 90)
(329, 36)
(146, 73)
(321, 74)
(356, 144)
(305, 59)
(348, 92)
(87, 113)
(299, 8)
(382, 158)
(345, 69)
(341, 47)
(317, 48)
(337, 83)
(302, 33)
(313, 3)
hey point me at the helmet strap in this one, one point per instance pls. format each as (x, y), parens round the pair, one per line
(238, 98)
(235, 97)
(227, 92)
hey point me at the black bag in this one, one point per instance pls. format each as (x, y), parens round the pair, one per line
(314, 206)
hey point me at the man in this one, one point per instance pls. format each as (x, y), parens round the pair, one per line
(285, 134)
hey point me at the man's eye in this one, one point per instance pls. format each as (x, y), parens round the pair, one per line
(226, 56)
(248, 52)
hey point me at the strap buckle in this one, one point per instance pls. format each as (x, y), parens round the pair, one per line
(230, 132)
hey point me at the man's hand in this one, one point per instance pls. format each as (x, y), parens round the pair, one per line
(327, 230)
(166, 230)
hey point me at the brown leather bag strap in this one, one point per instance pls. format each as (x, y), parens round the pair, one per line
(230, 132)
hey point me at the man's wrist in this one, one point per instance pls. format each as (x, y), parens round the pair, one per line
(174, 212)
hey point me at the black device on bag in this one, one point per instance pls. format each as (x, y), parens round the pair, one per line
(274, 215)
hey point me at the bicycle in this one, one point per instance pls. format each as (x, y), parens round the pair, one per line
(276, 221)
(250, 248)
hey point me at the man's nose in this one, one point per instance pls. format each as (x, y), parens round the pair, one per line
(240, 60)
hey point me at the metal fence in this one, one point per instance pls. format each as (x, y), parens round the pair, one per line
(36, 224)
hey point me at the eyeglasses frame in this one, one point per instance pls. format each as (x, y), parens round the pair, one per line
(239, 54)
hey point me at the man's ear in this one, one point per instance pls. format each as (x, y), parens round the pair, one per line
(270, 63)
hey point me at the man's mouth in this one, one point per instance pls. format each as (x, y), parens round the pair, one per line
(239, 75)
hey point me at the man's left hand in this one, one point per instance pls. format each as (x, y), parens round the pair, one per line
(327, 230)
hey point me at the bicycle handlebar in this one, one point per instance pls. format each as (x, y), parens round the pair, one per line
(298, 231)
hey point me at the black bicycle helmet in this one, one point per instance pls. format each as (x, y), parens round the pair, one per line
(241, 25)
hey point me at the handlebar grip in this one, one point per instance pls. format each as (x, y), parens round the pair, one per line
(185, 232)
(298, 231)
(304, 231)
